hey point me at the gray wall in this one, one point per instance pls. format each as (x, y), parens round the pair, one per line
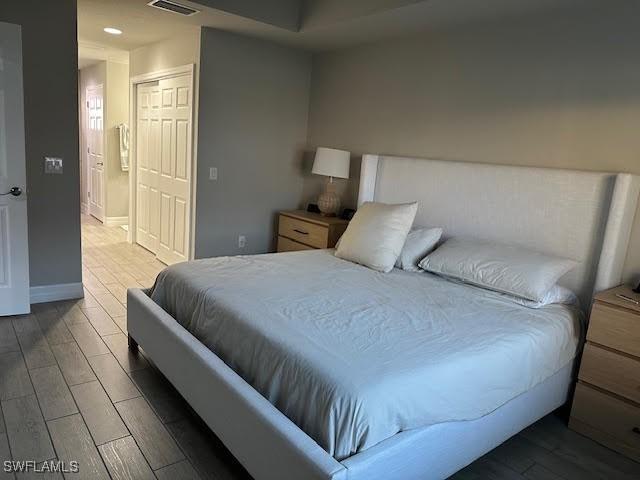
(548, 91)
(253, 107)
(50, 62)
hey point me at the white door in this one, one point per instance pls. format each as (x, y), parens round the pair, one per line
(95, 150)
(164, 167)
(147, 145)
(14, 256)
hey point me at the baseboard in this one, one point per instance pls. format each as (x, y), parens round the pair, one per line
(53, 293)
(115, 221)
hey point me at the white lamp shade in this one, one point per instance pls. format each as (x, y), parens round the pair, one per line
(331, 162)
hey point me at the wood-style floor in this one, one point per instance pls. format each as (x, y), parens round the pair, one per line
(71, 390)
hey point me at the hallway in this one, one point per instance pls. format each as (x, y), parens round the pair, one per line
(110, 265)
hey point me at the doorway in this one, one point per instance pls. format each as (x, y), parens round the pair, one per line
(95, 150)
(103, 87)
(161, 196)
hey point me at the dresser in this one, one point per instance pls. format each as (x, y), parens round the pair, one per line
(606, 406)
(301, 230)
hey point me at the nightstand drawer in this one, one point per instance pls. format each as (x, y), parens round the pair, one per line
(606, 419)
(615, 328)
(286, 245)
(612, 371)
(308, 233)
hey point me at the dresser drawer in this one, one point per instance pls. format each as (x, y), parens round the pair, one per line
(612, 371)
(607, 419)
(615, 328)
(286, 245)
(308, 233)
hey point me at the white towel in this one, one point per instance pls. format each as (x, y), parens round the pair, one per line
(123, 133)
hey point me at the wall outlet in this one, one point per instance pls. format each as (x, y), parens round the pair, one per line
(213, 173)
(52, 165)
(242, 241)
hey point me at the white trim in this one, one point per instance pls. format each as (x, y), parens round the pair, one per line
(115, 221)
(54, 293)
(195, 115)
(188, 69)
(164, 73)
(84, 209)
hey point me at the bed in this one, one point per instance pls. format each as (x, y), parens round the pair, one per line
(268, 400)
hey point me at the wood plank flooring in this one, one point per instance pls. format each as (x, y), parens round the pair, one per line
(71, 390)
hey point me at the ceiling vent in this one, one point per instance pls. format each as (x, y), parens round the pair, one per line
(173, 7)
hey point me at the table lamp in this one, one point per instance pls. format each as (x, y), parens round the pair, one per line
(331, 163)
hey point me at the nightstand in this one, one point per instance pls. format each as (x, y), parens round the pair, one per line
(300, 230)
(606, 406)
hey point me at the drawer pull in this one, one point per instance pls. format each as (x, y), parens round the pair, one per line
(301, 232)
(636, 430)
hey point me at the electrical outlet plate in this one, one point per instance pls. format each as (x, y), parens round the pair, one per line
(213, 173)
(52, 165)
(242, 241)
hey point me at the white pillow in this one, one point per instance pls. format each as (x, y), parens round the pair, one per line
(376, 234)
(419, 243)
(503, 268)
(556, 294)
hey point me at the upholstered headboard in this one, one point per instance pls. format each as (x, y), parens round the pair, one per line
(585, 216)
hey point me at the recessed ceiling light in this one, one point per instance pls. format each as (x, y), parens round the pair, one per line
(112, 31)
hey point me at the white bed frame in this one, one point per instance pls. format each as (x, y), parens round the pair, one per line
(583, 215)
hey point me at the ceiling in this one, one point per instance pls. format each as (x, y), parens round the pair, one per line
(330, 25)
(321, 24)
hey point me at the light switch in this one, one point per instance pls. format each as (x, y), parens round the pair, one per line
(52, 165)
(213, 173)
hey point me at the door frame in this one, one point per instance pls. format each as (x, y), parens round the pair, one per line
(87, 163)
(188, 69)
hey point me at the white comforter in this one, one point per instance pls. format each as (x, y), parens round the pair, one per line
(353, 356)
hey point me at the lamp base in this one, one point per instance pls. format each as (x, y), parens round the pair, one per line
(329, 201)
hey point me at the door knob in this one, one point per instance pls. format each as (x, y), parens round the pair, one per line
(99, 163)
(15, 191)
